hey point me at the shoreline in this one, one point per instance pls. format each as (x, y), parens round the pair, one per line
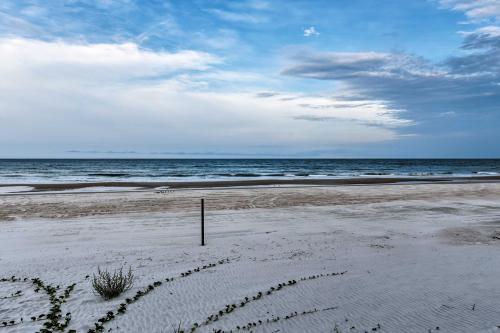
(43, 187)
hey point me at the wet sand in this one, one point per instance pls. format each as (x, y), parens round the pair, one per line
(254, 182)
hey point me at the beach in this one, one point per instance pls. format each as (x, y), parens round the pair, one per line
(398, 256)
(251, 166)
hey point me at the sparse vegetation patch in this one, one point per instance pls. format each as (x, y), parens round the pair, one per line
(232, 307)
(110, 315)
(54, 321)
(110, 285)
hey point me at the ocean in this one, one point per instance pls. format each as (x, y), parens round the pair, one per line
(27, 171)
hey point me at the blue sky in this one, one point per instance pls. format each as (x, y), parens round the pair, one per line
(250, 78)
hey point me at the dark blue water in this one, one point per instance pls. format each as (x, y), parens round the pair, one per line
(79, 170)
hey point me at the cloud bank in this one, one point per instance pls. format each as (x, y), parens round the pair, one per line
(59, 97)
(412, 83)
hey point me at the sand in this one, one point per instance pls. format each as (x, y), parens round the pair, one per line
(417, 257)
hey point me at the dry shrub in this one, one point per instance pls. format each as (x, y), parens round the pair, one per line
(110, 285)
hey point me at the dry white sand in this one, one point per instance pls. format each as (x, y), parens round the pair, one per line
(418, 257)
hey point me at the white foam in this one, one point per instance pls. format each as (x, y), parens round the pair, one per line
(487, 173)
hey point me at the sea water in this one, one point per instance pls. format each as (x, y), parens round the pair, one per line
(25, 171)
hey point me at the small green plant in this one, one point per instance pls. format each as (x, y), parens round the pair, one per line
(110, 285)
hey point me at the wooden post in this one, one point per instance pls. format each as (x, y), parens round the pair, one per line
(202, 222)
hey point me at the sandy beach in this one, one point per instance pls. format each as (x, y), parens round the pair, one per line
(249, 166)
(421, 257)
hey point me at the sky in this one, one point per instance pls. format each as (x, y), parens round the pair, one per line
(250, 78)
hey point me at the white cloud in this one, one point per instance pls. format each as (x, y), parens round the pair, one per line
(474, 9)
(491, 31)
(60, 60)
(57, 96)
(311, 31)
